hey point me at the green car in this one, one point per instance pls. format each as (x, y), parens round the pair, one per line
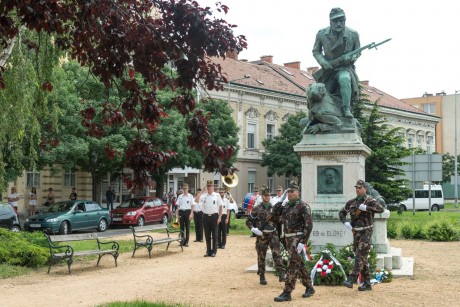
(67, 216)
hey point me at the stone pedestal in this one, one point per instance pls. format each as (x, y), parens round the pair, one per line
(346, 153)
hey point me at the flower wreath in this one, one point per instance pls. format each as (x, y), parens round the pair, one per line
(324, 269)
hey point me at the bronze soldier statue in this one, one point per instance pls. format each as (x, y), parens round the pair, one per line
(295, 215)
(260, 223)
(361, 209)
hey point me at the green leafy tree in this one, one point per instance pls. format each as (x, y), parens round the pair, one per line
(382, 166)
(280, 157)
(448, 166)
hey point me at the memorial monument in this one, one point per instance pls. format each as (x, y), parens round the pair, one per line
(332, 152)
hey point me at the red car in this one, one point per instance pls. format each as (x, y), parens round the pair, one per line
(140, 210)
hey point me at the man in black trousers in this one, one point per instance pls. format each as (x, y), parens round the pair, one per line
(198, 219)
(211, 203)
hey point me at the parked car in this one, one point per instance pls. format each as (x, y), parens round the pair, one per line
(67, 216)
(141, 210)
(422, 199)
(9, 218)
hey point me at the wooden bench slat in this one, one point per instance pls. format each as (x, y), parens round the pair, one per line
(147, 241)
(150, 227)
(74, 237)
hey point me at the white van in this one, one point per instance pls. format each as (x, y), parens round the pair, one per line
(422, 200)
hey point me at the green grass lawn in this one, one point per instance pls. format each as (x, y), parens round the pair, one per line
(423, 217)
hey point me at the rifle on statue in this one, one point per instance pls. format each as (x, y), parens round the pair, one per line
(352, 55)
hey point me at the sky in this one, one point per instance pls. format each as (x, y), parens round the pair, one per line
(422, 57)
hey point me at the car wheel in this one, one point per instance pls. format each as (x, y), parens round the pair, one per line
(102, 225)
(435, 208)
(402, 208)
(15, 228)
(165, 219)
(140, 221)
(64, 228)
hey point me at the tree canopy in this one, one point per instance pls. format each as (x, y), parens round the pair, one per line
(280, 157)
(128, 44)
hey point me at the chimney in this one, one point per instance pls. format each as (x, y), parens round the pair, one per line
(267, 59)
(232, 54)
(295, 65)
(365, 82)
(313, 69)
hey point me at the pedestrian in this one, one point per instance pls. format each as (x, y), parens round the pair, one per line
(50, 197)
(198, 219)
(295, 215)
(110, 197)
(260, 223)
(185, 206)
(73, 195)
(361, 209)
(222, 227)
(340, 78)
(211, 203)
(32, 201)
(13, 199)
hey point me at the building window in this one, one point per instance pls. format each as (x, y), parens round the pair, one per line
(270, 182)
(251, 130)
(251, 181)
(270, 131)
(429, 108)
(69, 178)
(33, 179)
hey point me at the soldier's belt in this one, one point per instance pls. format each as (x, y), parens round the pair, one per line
(268, 231)
(362, 228)
(293, 234)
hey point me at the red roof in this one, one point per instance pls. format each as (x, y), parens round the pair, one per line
(273, 77)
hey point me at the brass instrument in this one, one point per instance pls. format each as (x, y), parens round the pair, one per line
(231, 180)
(176, 223)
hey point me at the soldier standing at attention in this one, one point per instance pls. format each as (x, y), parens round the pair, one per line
(296, 217)
(211, 203)
(184, 212)
(261, 225)
(361, 210)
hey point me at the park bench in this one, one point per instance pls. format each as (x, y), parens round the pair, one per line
(147, 240)
(66, 252)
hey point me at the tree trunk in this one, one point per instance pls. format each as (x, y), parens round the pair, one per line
(160, 181)
(5, 55)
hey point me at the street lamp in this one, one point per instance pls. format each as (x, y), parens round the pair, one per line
(455, 153)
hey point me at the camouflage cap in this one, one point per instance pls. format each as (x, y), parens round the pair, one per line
(265, 191)
(256, 189)
(293, 186)
(360, 183)
(336, 13)
(279, 188)
(209, 182)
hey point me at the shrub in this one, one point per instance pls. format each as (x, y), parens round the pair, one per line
(392, 231)
(407, 231)
(418, 232)
(442, 230)
(22, 249)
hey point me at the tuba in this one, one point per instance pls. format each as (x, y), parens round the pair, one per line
(231, 180)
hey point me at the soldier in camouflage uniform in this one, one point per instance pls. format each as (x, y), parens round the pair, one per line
(361, 210)
(261, 225)
(295, 215)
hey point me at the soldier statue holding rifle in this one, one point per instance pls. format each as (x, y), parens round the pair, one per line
(336, 49)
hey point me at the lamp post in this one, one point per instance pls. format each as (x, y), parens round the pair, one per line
(455, 153)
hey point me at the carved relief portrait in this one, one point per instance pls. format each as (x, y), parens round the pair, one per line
(330, 179)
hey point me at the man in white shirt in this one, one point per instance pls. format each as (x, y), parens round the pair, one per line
(185, 205)
(13, 199)
(279, 193)
(198, 219)
(211, 203)
(222, 227)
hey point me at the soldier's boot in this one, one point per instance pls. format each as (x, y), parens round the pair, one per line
(283, 297)
(366, 286)
(349, 282)
(263, 281)
(346, 112)
(309, 292)
(282, 277)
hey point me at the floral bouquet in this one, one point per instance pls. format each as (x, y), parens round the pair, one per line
(327, 269)
(380, 276)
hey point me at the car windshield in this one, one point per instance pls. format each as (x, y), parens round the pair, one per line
(132, 203)
(60, 207)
